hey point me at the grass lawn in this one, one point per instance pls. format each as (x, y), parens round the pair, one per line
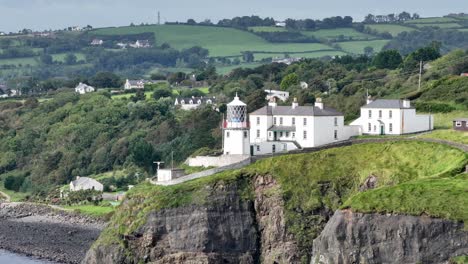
(15, 196)
(357, 47)
(228, 69)
(390, 28)
(33, 61)
(445, 120)
(219, 41)
(331, 34)
(91, 210)
(128, 95)
(268, 29)
(463, 29)
(448, 134)
(440, 25)
(432, 20)
(61, 56)
(315, 54)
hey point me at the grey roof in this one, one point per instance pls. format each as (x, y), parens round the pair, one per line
(85, 181)
(387, 103)
(298, 111)
(195, 99)
(461, 119)
(282, 128)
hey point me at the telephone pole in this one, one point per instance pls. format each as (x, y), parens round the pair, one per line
(159, 18)
(420, 74)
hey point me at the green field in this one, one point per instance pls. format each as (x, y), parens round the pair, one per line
(23, 61)
(219, 41)
(227, 69)
(463, 29)
(316, 54)
(390, 28)
(331, 34)
(432, 20)
(267, 29)
(357, 47)
(448, 134)
(439, 25)
(91, 210)
(61, 56)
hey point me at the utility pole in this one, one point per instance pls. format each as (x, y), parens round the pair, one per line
(420, 74)
(172, 162)
(159, 18)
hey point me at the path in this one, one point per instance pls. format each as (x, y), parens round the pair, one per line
(7, 197)
(349, 142)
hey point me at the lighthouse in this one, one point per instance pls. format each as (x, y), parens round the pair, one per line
(236, 132)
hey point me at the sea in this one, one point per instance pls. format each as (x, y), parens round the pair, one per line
(12, 258)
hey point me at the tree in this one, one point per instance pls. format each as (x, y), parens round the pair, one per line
(248, 56)
(191, 21)
(162, 93)
(70, 59)
(157, 76)
(387, 59)
(46, 59)
(309, 24)
(289, 80)
(139, 96)
(404, 16)
(176, 77)
(368, 51)
(106, 80)
(255, 100)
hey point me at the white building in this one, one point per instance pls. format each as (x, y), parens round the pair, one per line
(392, 117)
(85, 183)
(135, 84)
(97, 42)
(83, 88)
(304, 85)
(192, 103)
(281, 95)
(276, 128)
(141, 44)
(236, 135)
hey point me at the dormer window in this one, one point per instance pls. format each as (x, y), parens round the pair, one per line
(191, 102)
(209, 102)
(199, 102)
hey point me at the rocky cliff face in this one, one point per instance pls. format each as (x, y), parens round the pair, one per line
(374, 238)
(226, 230)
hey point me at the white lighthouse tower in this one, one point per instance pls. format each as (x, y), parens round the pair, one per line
(236, 133)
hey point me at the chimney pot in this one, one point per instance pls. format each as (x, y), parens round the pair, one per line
(295, 103)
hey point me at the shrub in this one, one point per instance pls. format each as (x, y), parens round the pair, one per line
(434, 107)
(13, 183)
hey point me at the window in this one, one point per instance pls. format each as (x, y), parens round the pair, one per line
(293, 121)
(305, 121)
(227, 134)
(293, 135)
(390, 127)
(305, 134)
(458, 124)
(258, 133)
(336, 121)
(281, 134)
(258, 120)
(258, 148)
(380, 113)
(273, 148)
(390, 114)
(370, 113)
(335, 135)
(287, 134)
(375, 128)
(281, 120)
(274, 120)
(245, 134)
(369, 127)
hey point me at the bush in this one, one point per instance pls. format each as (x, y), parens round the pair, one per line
(13, 183)
(434, 107)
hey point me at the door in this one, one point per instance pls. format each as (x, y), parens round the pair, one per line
(251, 150)
(382, 130)
(275, 135)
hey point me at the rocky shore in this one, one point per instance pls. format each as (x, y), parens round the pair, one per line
(47, 233)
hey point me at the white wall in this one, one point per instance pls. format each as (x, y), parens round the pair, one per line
(376, 122)
(265, 148)
(218, 161)
(236, 143)
(413, 123)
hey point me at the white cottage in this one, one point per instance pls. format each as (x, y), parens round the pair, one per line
(83, 88)
(85, 183)
(281, 95)
(276, 128)
(193, 102)
(392, 117)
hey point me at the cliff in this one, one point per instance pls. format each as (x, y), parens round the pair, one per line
(386, 238)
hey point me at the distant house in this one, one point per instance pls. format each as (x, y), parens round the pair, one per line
(304, 85)
(460, 124)
(280, 95)
(465, 74)
(135, 84)
(392, 117)
(287, 61)
(280, 24)
(141, 44)
(122, 45)
(194, 102)
(97, 42)
(83, 88)
(85, 183)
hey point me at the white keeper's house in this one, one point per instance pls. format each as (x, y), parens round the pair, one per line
(392, 117)
(276, 128)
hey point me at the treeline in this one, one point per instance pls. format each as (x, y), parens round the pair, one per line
(326, 23)
(390, 18)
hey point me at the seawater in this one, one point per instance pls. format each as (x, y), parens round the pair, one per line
(12, 258)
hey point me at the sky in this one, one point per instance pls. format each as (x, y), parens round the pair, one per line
(57, 14)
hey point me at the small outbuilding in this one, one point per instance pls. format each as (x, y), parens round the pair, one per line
(460, 124)
(85, 183)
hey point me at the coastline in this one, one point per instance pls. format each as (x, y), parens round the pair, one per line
(42, 232)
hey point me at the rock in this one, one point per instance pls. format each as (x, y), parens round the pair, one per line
(374, 238)
(369, 183)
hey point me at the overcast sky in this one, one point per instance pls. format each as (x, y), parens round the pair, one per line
(54, 14)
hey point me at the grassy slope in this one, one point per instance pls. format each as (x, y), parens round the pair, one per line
(432, 20)
(390, 28)
(268, 29)
(440, 25)
(357, 47)
(30, 60)
(219, 41)
(91, 210)
(303, 177)
(334, 33)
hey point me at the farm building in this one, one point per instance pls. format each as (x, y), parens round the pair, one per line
(194, 102)
(280, 95)
(392, 117)
(460, 124)
(83, 88)
(85, 183)
(97, 42)
(276, 128)
(135, 84)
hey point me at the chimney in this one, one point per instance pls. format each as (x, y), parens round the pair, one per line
(318, 103)
(77, 177)
(369, 99)
(406, 103)
(272, 102)
(295, 103)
